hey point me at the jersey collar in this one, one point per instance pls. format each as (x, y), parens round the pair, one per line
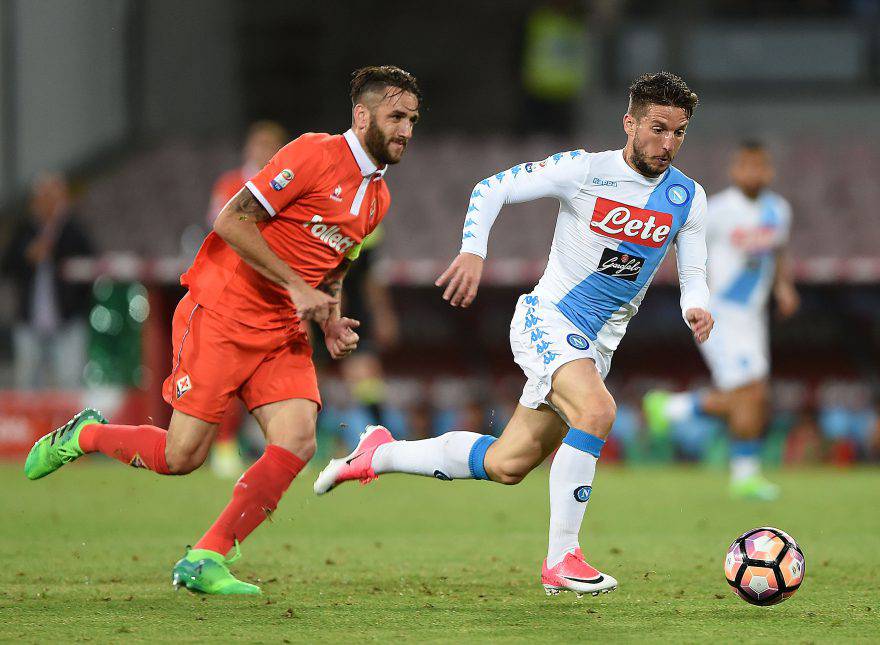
(360, 155)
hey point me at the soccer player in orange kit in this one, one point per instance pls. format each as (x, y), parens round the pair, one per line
(276, 257)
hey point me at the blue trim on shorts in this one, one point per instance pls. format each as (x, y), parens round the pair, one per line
(478, 455)
(588, 443)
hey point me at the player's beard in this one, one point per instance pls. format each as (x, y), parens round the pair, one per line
(377, 145)
(642, 161)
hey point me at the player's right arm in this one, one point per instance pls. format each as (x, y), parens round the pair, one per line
(290, 174)
(237, 226)
(560, 176)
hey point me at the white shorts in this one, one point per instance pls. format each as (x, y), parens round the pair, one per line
(737, 351)
(542, 341)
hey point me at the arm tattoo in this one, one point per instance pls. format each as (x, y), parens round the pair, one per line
(247, 208)
(332, 284)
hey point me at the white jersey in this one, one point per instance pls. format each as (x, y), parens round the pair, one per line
(613, 230)
(743, 236)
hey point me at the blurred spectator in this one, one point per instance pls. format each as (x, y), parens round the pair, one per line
(803, 445)
(264, 139)
(553, 66)
(50, 333)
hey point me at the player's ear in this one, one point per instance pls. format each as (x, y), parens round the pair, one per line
(629, 124)
(360, 117)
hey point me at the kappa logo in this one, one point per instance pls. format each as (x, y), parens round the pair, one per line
(598, 181)
(337, 194)
(282, 179)
(183, 385)
(329, 235)
(630, 224)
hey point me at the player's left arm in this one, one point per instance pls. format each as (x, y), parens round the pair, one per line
(339, 334)
(787, 299)
(691, 255)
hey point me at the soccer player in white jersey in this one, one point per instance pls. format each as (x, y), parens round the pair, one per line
(746, 232)
(620, 211)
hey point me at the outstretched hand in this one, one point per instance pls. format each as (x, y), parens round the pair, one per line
(461, 279)
(701, 323)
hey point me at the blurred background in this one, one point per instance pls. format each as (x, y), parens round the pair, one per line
(122, 123)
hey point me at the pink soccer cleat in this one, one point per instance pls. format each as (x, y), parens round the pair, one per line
(574, 574)
(358, 465)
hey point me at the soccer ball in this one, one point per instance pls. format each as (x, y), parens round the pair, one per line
(764, 566)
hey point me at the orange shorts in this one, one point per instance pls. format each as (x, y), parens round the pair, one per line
(215, 358)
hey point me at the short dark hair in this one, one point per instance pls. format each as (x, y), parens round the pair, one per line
(752, 145)
(377, 78)
(662, 88)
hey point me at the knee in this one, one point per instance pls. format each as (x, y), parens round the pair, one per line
(183, 462)
(596, 419)
(302, 443)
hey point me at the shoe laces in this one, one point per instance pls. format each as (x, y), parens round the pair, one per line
(236, 556)
(64, 450)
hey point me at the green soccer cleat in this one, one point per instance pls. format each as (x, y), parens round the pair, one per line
(754, 488)
(654, 405)
(60, 446)
(207, 572)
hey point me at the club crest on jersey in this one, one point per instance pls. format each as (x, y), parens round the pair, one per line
(630, 224)
(182, 386)
(577, 341)
(282, 179)
(337, 194)
(677, 194)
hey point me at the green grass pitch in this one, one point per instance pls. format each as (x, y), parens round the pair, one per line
(86, 554)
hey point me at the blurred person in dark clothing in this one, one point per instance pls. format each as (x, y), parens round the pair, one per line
(50, 332)
(367, 299)
(554, 66)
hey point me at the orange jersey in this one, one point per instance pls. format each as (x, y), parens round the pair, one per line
(225, 188)
(324, 196)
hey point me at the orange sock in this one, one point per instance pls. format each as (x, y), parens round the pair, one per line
(254, 497)
(138, 446)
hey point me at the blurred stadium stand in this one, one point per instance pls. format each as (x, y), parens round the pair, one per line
(144, 104)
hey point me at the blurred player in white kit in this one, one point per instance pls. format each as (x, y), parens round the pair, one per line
(747, 231)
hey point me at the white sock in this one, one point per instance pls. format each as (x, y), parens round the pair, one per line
(571, 479)
(445, 457)
(744, 467)
(681, 406)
